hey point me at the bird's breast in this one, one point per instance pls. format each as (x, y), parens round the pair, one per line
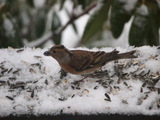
(68, 68)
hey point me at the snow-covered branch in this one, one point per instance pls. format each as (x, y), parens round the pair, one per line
(49, 36)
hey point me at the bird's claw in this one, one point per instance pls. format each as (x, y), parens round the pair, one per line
(62, 74)
(82, 80)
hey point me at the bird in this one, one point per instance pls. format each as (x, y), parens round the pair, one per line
(82, 62)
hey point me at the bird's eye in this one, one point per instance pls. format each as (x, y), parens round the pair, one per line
(54, 51)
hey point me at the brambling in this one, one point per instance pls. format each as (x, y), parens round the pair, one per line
(81, 62)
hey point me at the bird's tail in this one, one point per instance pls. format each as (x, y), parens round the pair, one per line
(127, 55)
(114, 55)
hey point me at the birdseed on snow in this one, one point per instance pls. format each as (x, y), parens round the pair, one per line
(30, 83)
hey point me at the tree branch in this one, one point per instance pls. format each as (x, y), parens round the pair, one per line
(54, 34)
(74, 17)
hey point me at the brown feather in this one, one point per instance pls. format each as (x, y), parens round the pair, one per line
(82, 62)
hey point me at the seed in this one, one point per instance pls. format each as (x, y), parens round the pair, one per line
(144, 84)
(85, 91)
(5, 70)
(116, 87)
(30, 107)
(72, 87)
(20, 50)
(158, 90)
(142, 73)
(29, 81)
(78, 88)
(124, 101)
(107, 97)
(35, 64)
(65, 81)
(119, 80)
(73, 96)
(20, 83)
(147, 92)
(35, 81)
(111, 89)
(16, 86)
(2, 82)
(134, 62)
(141, 90)
(61, 99)
(11, 90)
(129, 87)
(113, 75)
(141, 66)
(153, 56)
(125, 83)
(32, 71)
(120, 66)
(158, 104)
(61, 111)
(124, 74)
(43, 69)
(10, 70)
(151, 88)
(32, 94)
(10, 98)
(146, 96)
(150, 108)
(15, 72)
(8, 83)
(134, 71)
(96, 87)
(126, 64)
(139, 101)
(37, 57)
(46, 82)
(148, 72)
(12, 78)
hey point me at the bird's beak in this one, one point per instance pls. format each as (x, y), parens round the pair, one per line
(47, 53)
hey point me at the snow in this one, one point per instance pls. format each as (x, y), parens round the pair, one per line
(69, 37)
(8, 27)
(129, 4)
(38, 41)
(30, 84)
(143, 10)
(39, 3)
(158, 1)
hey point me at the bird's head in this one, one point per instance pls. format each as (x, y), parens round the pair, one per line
(59, 52)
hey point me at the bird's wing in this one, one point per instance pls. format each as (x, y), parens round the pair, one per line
(87, 60)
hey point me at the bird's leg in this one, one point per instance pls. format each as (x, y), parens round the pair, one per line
(100, 69)
(76, 82)
(63, 74)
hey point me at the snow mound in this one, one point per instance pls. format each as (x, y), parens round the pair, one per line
(30, 84)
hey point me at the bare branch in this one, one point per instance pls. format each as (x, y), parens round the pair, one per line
(74, 17)
(54, 34)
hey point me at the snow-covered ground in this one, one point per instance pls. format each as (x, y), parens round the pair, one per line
(30, 84)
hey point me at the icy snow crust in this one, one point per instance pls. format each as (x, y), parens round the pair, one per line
(30, 84)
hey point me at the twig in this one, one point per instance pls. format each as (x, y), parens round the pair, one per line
(72, 19)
